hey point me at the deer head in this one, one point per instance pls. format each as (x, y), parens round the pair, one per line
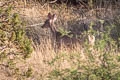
(50, 22)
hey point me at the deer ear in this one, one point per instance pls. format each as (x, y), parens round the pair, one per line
(54, 17)
(49, 15)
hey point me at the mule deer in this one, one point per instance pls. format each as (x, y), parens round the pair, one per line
(57, 38)
(50, 23)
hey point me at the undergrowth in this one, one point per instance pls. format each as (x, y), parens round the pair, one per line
(15, 47)
(97, 61)
(101, 60)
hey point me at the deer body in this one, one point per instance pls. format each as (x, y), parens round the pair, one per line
(50, 23)
(57, 40)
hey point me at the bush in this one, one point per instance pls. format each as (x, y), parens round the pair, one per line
(101, 59)
(14, 44)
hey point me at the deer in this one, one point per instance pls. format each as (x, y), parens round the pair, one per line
(50, 23)
(57, 37)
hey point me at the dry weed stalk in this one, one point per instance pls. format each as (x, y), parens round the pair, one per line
(91, 40)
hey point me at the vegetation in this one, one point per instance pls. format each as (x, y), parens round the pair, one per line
(101, 60)
(88, 46)
(14, 44)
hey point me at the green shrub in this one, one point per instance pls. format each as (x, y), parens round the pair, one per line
(102, 60)
(14, 44)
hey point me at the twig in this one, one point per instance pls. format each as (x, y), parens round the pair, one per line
(35, 24)
(53, 1)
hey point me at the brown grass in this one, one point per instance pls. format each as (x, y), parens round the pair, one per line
(35, 13)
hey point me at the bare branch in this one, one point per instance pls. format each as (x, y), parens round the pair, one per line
(53, 1)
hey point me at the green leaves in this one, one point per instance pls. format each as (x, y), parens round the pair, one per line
(101, 60)
(64, 32)
(14, 44)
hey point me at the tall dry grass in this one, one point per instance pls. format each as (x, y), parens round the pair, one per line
(75, 20)
(67, 17)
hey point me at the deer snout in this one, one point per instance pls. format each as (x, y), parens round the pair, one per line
(46, 24)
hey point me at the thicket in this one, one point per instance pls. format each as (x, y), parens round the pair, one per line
(85, 3)
(102, 60)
